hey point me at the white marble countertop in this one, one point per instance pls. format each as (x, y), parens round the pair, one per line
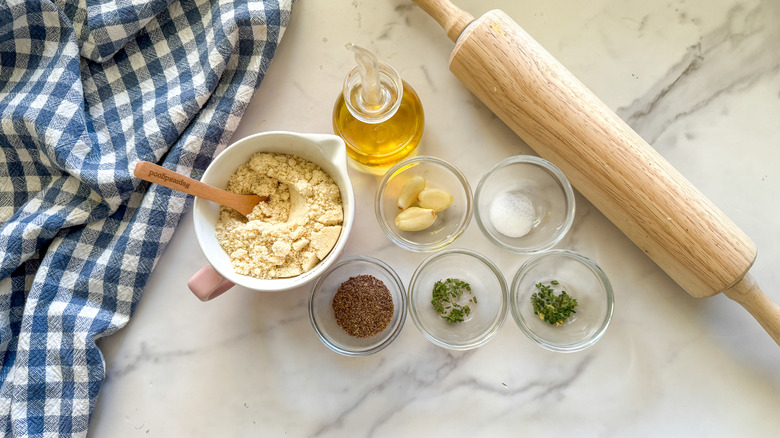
(698, 79)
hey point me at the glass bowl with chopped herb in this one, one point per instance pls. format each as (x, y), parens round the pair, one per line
(423, 204)
(562, 300)
(457, 299)
(358, 307)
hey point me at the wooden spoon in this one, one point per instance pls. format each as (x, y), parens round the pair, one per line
(165, 177)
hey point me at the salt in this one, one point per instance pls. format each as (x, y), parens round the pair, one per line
(512, 213)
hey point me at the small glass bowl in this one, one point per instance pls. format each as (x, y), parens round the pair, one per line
(583, 280)
(321, 306)
(544, 185)
(487, 285)
(449, 224)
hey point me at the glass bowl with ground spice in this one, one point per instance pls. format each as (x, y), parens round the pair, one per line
(524, 204)
(457, 299)
(562, 300)
(358, 307)
(423, 204)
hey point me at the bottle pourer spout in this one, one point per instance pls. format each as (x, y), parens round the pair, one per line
(368, 66)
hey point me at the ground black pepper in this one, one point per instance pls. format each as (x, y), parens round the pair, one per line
(363, 306)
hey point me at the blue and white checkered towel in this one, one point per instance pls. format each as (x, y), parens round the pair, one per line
(87, 89)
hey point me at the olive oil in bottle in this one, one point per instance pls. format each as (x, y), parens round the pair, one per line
(378, 115)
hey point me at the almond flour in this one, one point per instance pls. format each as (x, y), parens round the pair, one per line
(291, 232)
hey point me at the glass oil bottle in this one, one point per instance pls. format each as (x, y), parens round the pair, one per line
(378, 115)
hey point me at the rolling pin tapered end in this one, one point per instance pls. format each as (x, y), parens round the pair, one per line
(747, 293)
(450, 17)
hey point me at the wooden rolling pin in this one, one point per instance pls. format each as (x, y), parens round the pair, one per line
(609, 163)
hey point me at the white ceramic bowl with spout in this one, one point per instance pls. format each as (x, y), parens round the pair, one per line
(325, 150)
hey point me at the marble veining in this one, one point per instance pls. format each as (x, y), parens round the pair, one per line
(698, 79)
(745, 56)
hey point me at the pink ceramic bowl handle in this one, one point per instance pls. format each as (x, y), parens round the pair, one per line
(207, 284)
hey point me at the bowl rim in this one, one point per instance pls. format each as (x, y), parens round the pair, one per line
(402, 166)
(503, 310)
(401, 307)
(565, 186)
(594, 268)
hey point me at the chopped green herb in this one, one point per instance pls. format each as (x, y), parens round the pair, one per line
(456, 315)
(551, 308)
(445, 299)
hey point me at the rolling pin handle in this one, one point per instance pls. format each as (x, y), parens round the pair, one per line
(450, 17)
(747, 293)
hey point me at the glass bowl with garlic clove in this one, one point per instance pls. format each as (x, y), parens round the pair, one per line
(423, 204)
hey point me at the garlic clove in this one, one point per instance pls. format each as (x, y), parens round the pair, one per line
(435, 199)
(409, 191)
(415, 219)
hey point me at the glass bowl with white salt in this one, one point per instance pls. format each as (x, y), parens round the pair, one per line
(524, 204)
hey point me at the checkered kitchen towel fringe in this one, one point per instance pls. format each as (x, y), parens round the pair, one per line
(87, 89)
